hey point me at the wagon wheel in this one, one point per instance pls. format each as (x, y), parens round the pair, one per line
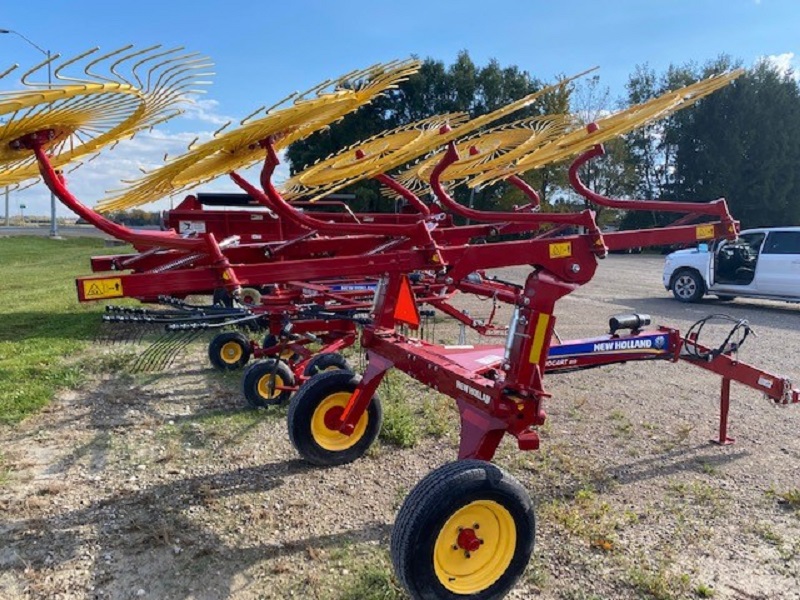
(229, 351)
(316, 406)
(264, 383)
(329, 361)
(465, 531)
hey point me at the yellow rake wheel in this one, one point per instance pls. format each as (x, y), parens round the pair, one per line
(466, 530)
(76, 117)
(389, 150)
(609, 127)
(240, 148)
(370, 158)
(496, 148)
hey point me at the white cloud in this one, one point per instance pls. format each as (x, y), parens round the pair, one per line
(206, 111)
(785, 63)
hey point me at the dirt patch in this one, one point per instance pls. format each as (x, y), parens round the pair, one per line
(164, 486)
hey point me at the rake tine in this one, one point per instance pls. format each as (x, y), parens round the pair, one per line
(160, 353)
(187, 338)
(153, 354)
(174, 348)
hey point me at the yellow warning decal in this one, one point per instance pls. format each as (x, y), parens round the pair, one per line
(97, 289)
(539, 333)
(561, 250)
(705, 232)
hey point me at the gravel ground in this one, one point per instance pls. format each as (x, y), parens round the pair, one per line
(162, 486)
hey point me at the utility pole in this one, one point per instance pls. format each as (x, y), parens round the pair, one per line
(53, 219)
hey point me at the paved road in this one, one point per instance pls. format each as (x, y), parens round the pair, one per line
(63, 231)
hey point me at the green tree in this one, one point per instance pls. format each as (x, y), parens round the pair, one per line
(743, 143)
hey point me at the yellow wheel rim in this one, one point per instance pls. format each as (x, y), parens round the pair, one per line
(269, 386)
(231, 352)
(327, 412)
(462, 571)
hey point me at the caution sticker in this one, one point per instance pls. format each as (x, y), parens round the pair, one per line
(97, 289)
(561, 250)
(705, 232)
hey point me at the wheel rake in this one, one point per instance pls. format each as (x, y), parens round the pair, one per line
(467, 529)
(230, 152)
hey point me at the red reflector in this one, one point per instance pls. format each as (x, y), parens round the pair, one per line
(405, 310)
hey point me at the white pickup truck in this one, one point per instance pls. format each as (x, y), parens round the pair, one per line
(762, 263)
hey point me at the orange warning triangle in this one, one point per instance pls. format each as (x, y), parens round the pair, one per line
(405, 309)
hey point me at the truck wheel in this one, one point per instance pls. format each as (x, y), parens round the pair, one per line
(330, 361)
(688, 286)
(263, 381)
(229, 351)
(465, 531)
(318, 403)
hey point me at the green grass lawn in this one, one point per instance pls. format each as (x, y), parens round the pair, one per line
(43, 328)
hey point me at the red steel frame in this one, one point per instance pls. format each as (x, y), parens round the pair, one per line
(511, 402)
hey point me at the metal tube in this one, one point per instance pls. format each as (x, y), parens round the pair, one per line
(8, 218)
(53, 218)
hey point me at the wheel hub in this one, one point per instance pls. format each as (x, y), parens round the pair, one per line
(468, 540)
(333, 417)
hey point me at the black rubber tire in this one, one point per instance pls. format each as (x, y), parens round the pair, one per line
(258, 378)
(688, 286)
(220, 358)
(328, 361)
(301, 413)
(427, 509)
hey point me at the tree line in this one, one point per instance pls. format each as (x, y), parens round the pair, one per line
(741, 142)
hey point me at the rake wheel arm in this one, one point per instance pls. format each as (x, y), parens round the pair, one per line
(584, 218)
(717, 208)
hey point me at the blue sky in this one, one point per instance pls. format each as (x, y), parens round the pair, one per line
(266, 50)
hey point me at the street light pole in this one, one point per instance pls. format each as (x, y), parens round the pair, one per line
(53, 219)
